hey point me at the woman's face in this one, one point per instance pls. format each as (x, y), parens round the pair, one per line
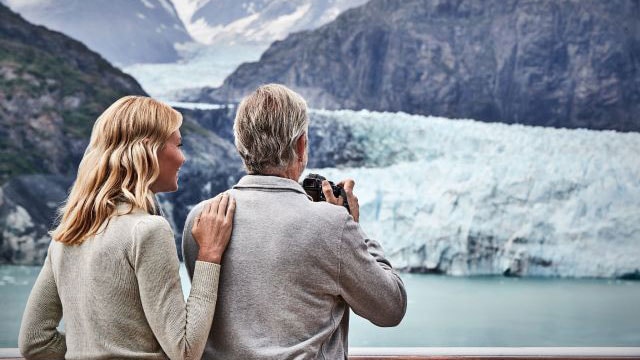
(170, 159)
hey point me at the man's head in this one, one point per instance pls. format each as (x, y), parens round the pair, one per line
(270, 128)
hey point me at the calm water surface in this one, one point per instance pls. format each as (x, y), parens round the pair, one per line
(446, 311)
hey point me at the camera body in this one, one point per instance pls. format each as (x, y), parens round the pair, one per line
(312, 185)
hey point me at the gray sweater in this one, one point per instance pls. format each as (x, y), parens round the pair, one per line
(121, 296)
(291, 272)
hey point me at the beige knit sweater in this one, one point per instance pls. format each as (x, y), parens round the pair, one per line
(120, 297)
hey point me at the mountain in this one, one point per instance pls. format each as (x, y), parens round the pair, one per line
(257, 22)
(52, 88)
(568, 63)
(123, 31)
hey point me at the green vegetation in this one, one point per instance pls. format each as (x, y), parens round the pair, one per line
(193, 128)
(44, 77)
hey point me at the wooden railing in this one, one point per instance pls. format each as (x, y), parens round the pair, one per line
(483, 353)
(492, 353)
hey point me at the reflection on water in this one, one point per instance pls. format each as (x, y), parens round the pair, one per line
(445, 311)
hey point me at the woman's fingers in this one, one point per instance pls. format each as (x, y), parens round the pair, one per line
(206, 212)
(222, 206)
(212, 206)
(212, 231)
(230, 211)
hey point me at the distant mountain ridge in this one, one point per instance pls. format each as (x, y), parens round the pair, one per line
(568, 63)
(123, 31)
(257, 21)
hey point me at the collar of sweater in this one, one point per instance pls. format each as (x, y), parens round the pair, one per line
(270, 183)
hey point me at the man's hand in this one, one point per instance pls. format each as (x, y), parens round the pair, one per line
(352, 199)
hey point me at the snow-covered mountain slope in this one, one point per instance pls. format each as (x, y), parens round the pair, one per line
(229, 33)
(257, 21)
(462, 197)
(123, 31)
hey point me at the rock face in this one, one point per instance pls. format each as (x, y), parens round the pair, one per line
(52, 90)
(573, 64)
(28, 206)
(123, 31)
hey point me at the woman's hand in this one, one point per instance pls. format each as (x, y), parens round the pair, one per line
(212, 228)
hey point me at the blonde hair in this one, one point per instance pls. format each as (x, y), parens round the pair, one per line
(119, 165)
(267, 125)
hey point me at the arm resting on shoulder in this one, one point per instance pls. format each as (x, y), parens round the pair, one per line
(39, 336)
(181, 329)
(367, 281)
(190, 247)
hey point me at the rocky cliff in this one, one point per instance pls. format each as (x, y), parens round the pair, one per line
(568, 63)
(52, 89)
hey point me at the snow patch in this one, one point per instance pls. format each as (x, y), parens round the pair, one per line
(280, 27)
(148, 4)
(17, 5)
(168, 7)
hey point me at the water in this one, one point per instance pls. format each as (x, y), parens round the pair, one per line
(449, 311)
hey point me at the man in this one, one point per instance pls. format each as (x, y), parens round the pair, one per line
(293, 267)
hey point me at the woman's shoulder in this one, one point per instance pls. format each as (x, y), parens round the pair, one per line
(138, 222)
(142, 222)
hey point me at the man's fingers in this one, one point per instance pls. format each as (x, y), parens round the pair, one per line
(347, 185)
(328, 192)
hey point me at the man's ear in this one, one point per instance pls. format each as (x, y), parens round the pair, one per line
(301, 145)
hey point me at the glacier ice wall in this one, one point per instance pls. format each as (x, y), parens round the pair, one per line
(461, 197)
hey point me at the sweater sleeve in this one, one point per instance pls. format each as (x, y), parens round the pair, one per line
(366, 279)
(190, 247)
(181, 329)
(39, 337)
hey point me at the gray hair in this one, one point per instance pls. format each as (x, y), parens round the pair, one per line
(267, 125)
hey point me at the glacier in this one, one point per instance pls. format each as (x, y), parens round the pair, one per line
(461, 197)
(225, 41)
(200, 66)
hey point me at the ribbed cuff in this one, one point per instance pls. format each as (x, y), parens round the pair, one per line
(204, 284)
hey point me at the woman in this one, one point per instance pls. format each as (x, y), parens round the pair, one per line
(113, 269)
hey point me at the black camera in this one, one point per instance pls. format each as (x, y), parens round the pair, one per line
(312, 185)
